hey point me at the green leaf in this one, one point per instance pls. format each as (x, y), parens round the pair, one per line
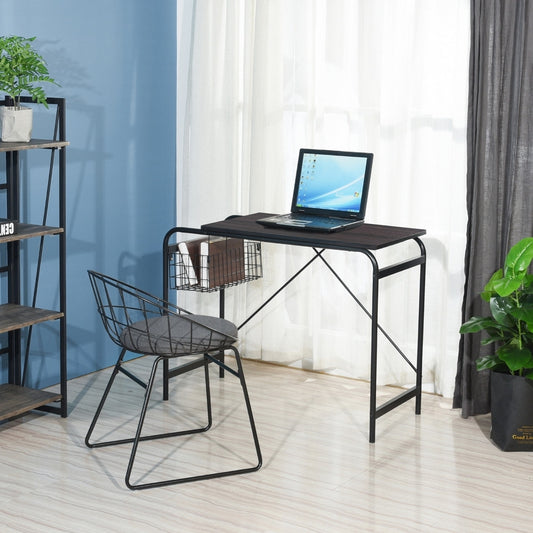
(502, 311)
(506, 286)
(477, 323)
(514, 357)
(489, 291)
(519, 258)
(494, 335)
(488, 362)
(524, 313)
(22, 68)
(515, 270)
(496, 332)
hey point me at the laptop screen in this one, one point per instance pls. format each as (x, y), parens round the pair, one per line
(332, 183)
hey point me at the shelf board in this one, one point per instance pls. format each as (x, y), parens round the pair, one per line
(34, 143)
(27, 231)
(13, 316)
(16, 400)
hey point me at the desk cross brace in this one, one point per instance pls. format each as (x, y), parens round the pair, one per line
(290, 280)
(318, 254)
(368, 314)
(415, 392)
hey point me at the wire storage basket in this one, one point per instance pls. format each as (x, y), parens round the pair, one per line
(209, 264)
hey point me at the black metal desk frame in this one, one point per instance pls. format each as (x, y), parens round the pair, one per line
(363, 239)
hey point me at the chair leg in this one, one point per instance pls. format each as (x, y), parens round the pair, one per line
(240, 375)
(138, 438)
(116, 370)
(141, 423)
(148, 387)
(248, 409)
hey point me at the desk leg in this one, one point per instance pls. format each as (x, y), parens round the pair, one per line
(374, 351)
(165, 379)
(221, 313)
(421, 299)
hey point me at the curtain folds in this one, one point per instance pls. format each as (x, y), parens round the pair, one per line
(500, 166)
(267, 77)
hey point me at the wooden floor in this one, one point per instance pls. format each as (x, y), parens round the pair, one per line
(434, 472)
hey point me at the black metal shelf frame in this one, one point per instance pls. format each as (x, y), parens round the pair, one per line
(18, 363)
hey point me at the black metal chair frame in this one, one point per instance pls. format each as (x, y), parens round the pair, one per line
(142, 323)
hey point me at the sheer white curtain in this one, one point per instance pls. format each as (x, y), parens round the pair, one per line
(260, 79)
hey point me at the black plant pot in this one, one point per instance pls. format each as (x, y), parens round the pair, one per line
(512, 412)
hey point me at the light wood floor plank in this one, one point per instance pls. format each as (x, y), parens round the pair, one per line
(435, 472)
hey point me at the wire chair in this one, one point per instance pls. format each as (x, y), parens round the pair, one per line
(141, 323)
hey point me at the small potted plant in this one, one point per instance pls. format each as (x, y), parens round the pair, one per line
(510, 327)
(22, 69)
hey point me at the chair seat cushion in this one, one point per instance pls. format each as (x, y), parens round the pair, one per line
(172, 335)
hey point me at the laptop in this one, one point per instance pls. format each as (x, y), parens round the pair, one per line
(330, 191)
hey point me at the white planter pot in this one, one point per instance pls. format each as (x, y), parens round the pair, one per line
(16, 124)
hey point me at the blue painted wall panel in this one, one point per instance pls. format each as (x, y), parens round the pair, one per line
(116, 63)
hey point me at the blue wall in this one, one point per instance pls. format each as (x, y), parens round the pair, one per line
(116, 63)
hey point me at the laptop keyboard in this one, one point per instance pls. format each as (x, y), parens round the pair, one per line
(304, 219)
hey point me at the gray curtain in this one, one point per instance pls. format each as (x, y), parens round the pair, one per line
(500, 166)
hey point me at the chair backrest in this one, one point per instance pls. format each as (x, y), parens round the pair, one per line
(120, 305)
(144, 323)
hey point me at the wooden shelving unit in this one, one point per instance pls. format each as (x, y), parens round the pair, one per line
(16, 398)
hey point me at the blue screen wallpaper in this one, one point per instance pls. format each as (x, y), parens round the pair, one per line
(331, 182)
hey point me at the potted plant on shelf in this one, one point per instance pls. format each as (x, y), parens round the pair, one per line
(22, 69)
(510, 327)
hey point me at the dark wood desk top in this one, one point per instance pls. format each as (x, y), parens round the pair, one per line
(363, 237)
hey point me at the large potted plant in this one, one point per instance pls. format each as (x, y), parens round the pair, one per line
(22, 69)
(510, 327)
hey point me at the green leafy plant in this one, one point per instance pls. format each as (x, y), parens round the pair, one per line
(22, 68)
(510, 296)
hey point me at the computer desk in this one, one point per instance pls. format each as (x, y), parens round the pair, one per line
(363, 239)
